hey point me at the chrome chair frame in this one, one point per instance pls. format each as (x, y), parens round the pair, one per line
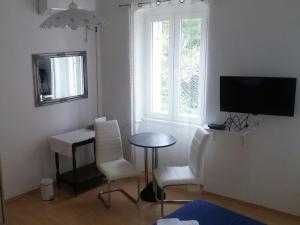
(107, 203)
(162, 201)
(198, 145)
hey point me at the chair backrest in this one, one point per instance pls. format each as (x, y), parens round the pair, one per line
(198, 146)
(108, 141)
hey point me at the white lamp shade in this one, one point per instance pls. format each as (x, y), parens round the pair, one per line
(73, 18)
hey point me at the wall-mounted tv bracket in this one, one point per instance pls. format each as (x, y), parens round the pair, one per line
(237, 122)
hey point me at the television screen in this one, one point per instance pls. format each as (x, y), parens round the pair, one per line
(258, 95)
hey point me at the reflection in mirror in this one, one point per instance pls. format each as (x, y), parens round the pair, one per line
(59, 77)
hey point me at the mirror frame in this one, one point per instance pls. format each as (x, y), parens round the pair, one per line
(35, 61)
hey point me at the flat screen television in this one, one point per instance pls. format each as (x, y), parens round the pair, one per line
(258, 95)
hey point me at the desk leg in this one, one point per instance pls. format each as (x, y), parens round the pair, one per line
(57, 169)
(148, 193)
(74, 170)
(153, 160)
(156, 157)
(146, 165)
(153, 167)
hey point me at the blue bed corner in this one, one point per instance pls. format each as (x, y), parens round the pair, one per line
(208, 214)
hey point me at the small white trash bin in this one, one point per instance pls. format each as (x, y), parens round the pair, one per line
(47, 190)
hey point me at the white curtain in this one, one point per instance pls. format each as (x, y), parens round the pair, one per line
(168, 73)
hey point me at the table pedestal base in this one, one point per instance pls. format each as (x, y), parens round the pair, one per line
(148, 194)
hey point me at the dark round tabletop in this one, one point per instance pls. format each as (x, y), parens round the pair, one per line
(152, 140)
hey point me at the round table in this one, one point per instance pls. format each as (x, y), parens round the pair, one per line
(154, 141)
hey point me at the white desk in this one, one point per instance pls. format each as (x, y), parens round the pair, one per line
(63, 143)
(66, 144)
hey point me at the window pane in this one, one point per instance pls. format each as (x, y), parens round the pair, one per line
(189, 72)
(160, 66)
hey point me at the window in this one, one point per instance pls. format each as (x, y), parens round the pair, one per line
(189, 67)
(160, 67)
(176, 74)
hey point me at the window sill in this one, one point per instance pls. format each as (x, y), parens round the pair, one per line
(172, 123)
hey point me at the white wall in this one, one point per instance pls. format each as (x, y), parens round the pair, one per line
(115, 65)
(24, 128)
(115, 61)
(246, 38)
(255, 38)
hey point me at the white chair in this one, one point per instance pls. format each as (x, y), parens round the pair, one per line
(185, 175)
(110, 160)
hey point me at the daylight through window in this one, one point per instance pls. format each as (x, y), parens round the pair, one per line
(177, 47)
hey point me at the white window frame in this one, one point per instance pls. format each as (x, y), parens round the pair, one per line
(177, 55)
(175, 17)
(149, 57)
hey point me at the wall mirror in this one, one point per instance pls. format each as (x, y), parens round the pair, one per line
(59, 77)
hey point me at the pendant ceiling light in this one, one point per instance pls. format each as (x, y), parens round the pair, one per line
(73, 18)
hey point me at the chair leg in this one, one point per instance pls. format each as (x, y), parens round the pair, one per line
(138, 189)
(107, 203)
(162, 201)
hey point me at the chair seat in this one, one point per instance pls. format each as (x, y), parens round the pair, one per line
(117, 169)
(174, 176)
